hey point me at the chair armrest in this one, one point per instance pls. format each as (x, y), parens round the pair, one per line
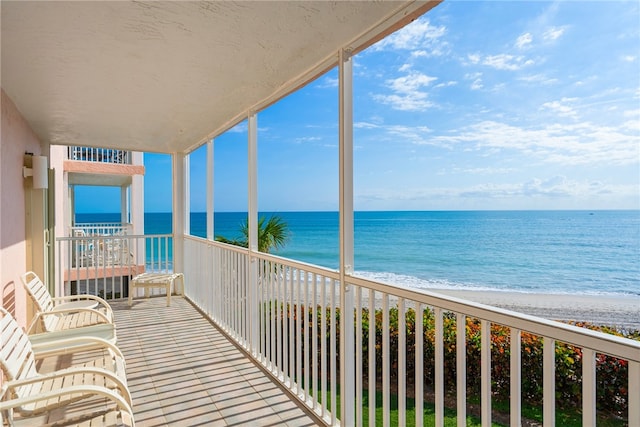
(106, 317)
(93, 372)
(122, 404)
(87, 338)
(70, 298)
(71, 345)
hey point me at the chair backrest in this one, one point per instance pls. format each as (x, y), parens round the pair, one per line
(41, 298)
(16, 355)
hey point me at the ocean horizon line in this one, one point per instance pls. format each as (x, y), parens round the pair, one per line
(389, 210)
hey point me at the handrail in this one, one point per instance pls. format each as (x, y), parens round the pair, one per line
(570, 334)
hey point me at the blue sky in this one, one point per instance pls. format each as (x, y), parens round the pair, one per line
(476, 105)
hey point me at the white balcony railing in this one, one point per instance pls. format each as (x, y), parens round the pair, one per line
(100, 229)
(103, 264)
(290, 323)
(103, 155)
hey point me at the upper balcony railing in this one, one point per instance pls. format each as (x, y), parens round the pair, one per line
(102, 264)
(100, 229)
(103, 155)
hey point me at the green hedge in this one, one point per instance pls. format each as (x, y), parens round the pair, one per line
(611, 373)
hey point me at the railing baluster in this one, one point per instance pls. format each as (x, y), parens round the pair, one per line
(372, 358)
(334, 352)
(402, 365)
(439, 367)
(633, 397)
(290, 343)
(308, 338)
(386, 370)
(358, 355)
(461, 369)
(419, 364)
(485, 376)
(549, 381)
(323, 346)
(298, 326)
(588, 387)
(273, 302)
(515, 388)
(314, 338)
(264, 321)
(279, 323)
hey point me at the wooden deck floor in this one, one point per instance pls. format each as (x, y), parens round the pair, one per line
(182, 371)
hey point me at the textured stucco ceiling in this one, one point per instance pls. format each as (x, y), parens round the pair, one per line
(164, 76)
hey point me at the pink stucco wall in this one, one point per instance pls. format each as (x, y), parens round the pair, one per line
(16, 139)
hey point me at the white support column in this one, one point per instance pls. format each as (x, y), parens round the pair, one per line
(124, 206)
(347, 369)
(253, 228)
(180, 206)
(186, 186)
(70, 214)
(210, 187)
(136, 204)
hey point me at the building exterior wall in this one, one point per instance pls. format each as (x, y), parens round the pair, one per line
(16, 139)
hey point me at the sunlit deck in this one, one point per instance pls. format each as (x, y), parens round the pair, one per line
(181, 370)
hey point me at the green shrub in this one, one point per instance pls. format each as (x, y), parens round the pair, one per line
(611, 373)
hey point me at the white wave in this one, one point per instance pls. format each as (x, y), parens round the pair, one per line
(413, 282)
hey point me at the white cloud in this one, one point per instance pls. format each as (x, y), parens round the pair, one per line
(365, 125)
(484, 171)
(555, 187)
(568, 144)
(477, 84)
(417, 135)
(524, 40)
(507, 62)
(553, 33)
(305, 139)
(474, 58)
(419, 54)
(408, 95)
(419, 34)
(561, 108)
(329, 82)
(411, 82)
(556, 191)
(406, 102)
(446, 84)
(629, 58)
(239, 128)
(538, 79)
(412, 134)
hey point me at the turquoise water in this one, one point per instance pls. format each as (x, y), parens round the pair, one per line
(569, 252)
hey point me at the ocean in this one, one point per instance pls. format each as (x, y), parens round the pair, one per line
(563, 252)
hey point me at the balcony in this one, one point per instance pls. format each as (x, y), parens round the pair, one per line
(101, 155)
(290, 324)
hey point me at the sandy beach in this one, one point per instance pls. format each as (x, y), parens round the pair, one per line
(621, 312)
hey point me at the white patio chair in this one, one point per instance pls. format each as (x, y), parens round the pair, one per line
(69, 312)
(27, 392)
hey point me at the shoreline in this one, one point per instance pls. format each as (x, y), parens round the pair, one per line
(602, 310)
